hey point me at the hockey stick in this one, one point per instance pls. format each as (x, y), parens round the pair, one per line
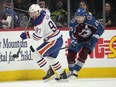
(63, 48)
(17, 54)
(33, 50)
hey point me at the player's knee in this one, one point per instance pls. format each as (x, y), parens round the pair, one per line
(83, 54)
(71, 56)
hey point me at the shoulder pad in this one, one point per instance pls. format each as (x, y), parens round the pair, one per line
(43, 11)
(39, 19)
(91, 21)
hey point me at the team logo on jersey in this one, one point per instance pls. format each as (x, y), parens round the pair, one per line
(89, 17)
(73, 20)
(37, 30)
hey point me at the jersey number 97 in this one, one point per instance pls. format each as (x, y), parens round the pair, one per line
(52, 26)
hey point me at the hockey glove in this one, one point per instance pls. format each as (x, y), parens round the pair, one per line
(94, 40)
(74, 43)
(25, 35)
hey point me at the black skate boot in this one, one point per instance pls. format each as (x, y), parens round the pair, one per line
(49, 74)
(62, 76)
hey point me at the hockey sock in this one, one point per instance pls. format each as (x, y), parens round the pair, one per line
(71, 66)
(42, 63)
(55, 64)
(78, 65)
(71, 59)
(81, 59)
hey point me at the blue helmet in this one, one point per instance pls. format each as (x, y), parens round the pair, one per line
(80, 12)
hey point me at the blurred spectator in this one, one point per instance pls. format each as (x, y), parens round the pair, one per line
(84, 5)
(2, 14)
(23, 4)
(88, 5)
(42, 4)
(59, 16)
(21, 7)
(5, 20)
(93, 6)
(6, 16)
(10, 12)
(110, 16)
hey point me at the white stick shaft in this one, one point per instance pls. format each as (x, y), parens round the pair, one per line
(27, 24)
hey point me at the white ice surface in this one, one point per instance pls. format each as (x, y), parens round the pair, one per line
(101, 82)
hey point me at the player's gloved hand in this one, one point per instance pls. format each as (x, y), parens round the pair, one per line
(74, 43)
(25, 35)
(94, 39)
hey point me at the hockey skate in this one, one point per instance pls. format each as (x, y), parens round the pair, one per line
(61, 77)
(72, 75)
(50, 75)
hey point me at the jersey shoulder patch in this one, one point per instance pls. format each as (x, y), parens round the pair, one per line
(89, 17)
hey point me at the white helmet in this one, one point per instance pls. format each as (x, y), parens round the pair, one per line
(34, 9)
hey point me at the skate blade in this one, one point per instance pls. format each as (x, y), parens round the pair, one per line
(51, 78)
(62, 80)
(71, 77)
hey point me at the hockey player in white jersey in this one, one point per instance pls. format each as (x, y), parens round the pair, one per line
(45, 28)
